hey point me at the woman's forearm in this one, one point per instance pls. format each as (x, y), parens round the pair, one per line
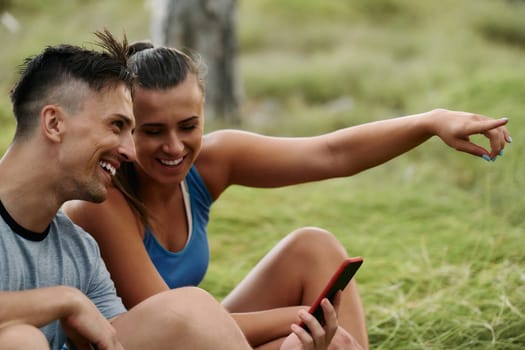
(263, 326)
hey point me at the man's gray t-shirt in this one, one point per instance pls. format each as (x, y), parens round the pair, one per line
(66, 255)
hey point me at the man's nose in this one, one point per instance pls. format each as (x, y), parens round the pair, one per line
(127, 148)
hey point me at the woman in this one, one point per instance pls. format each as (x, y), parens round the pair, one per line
(179, 173)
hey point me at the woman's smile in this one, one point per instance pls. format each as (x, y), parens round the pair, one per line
(171, 162)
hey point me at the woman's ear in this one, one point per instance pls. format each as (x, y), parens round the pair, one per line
(52, 122)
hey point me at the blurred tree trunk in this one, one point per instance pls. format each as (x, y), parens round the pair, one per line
(4, 5)
(208, 27)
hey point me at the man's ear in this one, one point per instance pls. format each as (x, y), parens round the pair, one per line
(52, 122)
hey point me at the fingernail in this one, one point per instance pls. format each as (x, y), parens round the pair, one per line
(500, 153)
(486, 157)
(494, 159)
(509, 139)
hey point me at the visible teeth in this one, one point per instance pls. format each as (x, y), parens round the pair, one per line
(108, 167)
(171, 162)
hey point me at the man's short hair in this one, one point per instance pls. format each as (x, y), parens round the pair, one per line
(51, 77)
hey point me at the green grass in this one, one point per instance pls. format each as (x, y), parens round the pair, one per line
(442, 233)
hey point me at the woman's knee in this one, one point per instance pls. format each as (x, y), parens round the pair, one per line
(187, 302)
(314, 241)
(186, 315)
(195, 312)
(177, 309)
(22, 336)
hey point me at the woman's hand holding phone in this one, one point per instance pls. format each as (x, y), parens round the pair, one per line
(319, 326)
(314, 336)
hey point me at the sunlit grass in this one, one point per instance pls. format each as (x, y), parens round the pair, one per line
(444, 266)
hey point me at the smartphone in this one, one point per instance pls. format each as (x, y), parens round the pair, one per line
(337, 282)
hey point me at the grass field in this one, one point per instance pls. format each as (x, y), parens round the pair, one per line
(441, 233)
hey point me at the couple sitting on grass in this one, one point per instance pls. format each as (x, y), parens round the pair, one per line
(145, 198)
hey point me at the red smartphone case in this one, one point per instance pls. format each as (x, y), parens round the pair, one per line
(337, 282)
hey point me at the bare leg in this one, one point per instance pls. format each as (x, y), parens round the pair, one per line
(293, 273)
(22, 336)
(272, 345)
(183, 318)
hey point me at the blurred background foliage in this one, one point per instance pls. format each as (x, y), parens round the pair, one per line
(324, 62)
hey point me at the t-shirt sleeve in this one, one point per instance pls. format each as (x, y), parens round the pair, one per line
(86, 262)
(101, 290)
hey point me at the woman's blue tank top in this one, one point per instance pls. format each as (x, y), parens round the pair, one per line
(188, 266)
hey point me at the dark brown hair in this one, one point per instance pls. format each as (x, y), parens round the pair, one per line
(155, 68)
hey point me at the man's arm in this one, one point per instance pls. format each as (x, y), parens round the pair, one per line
(36, 307)
(79, 317)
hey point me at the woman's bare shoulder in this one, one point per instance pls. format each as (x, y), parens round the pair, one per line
(84, 213)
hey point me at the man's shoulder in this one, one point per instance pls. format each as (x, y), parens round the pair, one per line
(65, 226)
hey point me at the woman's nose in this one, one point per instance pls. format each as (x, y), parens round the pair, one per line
(173, 145)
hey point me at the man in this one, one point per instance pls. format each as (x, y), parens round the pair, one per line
(74, 122)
